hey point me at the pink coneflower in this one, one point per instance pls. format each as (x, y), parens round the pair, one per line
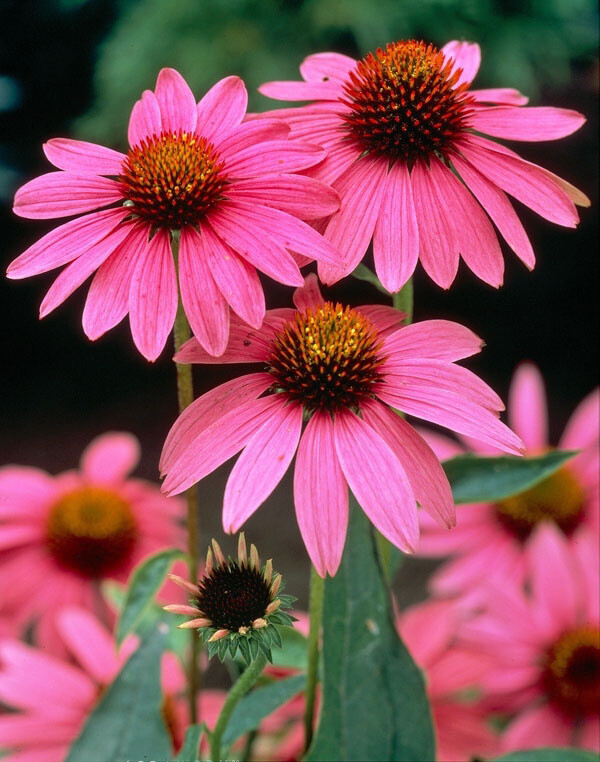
(490, 539)
(61, 535)
(452, 671)
(227, 188)
(53, 696)
(400, 128)
(340, 370)
(544, 640)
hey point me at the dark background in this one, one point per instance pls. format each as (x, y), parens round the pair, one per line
(72, 68)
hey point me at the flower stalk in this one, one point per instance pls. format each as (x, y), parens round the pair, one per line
(315, 610)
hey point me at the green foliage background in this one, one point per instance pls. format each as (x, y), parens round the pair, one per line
(526, 44)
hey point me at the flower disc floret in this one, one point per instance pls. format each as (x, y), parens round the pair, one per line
(572, 673)
(233, 596)
(173, 179)
(91, 530)
(405, 102)
(327, 357)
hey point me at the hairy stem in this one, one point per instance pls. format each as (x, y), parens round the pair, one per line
(315, 610)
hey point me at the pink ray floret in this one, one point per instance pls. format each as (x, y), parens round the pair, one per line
(325, 363)
(227, 190)
(403, 133)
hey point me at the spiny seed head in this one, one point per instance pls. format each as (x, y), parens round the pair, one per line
(405, 102)
(172, 179)
(327, 358)
(571, 677)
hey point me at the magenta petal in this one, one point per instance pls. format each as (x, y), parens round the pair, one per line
(204, 305)
(466, 56)
(107, 301)
(583, 427)
(61, 194)
(79, 156)
(339, 159)
(386, 319)
(110, 457)
(90, 642)
(176, 102)
(541, 725)
(377, 480)
(427, 478)
(528, 409)
(20, 534)
(439, 246)
(396, 236)
(218, 442)
(436, 339)
(222, 109)
(350, 230)
(153, 297)
(301, 91)
(65, 243)
(209, 408)
(145, 121)
(279, 156)
(249, 134)
(297, 195)
(538, 123)
(308, 295)
(506, 96)
(262, 464)
(323, 67)
(321, 495)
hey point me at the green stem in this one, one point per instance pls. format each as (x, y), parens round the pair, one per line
(403, 300)
(185, 396)
(315, 610)
(237, 692)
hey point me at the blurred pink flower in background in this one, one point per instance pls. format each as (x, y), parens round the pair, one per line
(489, 540)
(400, 128)
(544, 642)
(60, 536)
(326, 361)
(196, 168)
(429, 631)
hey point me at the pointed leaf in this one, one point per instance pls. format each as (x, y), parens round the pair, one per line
(363, 273)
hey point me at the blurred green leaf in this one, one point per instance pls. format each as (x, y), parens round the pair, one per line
(292, 653)
(127, 724)
(374, 701)
(476, 479)
(549, 755)
(189, 752)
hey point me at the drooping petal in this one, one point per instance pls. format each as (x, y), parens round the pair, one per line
(301, 91)
(61, 194)
(222, 109)
(145, 121)
(176, 102)
(322, 67)
(78, 156)
(89, 642)
(297, 195)
(110, 457)
(308, 295)
(531, 124)
(466, 56)
(504, 95)
(528, 408)
(435, 339)
(204, 305)
(153, 297)
(261, 466)
(271, 156)
(321, 495)
(377, 479)
(25, 492)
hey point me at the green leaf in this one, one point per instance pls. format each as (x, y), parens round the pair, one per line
(363, 273)
(127, 723)
(549, 755)
(475, 479)
(254, 707)
(374, 701)
(190, 750)
(146, 581)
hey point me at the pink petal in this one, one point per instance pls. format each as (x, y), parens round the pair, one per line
(528, 409)
(89, 642)
(434, 339)
(20, 730)
(237, 280)
(350, 230)
(590, 734)
(322, 67)
(302, 91)
(261, 466)
(538, 123)
(499, 208)
(110, 457)
(153, 297)
(297, 195)
(81, 157)
(218, 442)
(540, 726)
(20, 534)
(222, 109)
(523, 180)
(504, 95)
(577, 196)
(439, 246)
(308, 295)
(396, 236)
(176, 102)
(204, 305)
(61, 194)
(207, 409)
(377, 479)
(41, 754)
(280, 156)
(339, 159)
(466, 56)
(238, 229)
(249, 134)
(78, 271)
(107, 301)
(427, 478)
(583, 427)
(65, 243)
(321, 495)
(386, 319)
(24, 492)
(145, 121)
(428, 629)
